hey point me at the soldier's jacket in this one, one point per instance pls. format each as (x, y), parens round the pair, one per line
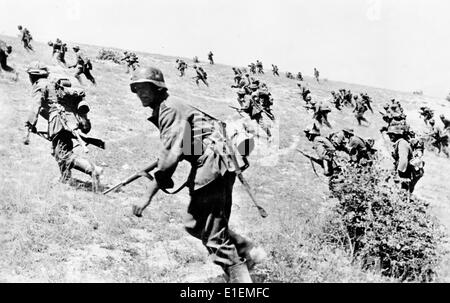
(360, 108)
(54, 105)
(82, 61)
(324, 148)
(188, 134)
(402, 155)
(252, 107)
(357, 149)
(26, 36)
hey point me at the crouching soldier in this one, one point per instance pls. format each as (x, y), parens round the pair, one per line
(191, 135)
(66, 112)
(324, 149)
(408, 170)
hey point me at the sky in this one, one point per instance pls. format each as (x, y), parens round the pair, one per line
(396, 44)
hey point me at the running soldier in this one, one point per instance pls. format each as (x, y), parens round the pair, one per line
(67, 114)
(210, 57)
(182, 66)
(299, 76)
(259, 66)
(83, 65)
(289, 75)
(252, 68)
(359, 110)
(409, 170)
(324, 149)
(427, 114)
(316, 74)
(367, 101)
(191, 135)
(275, 70)
(201, 75)
(25, 37)
(131, 59)
(439, 139)
(59, 50)
(321, 112)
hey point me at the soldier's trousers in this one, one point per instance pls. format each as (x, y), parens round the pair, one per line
(4, 65)
(207, 219)
(63, 152)
(86, 72)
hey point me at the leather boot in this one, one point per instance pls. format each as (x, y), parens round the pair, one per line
(239, 273)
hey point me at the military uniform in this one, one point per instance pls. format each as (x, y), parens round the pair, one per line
(59, 51)
(201, 75)
(210, 58)
(26, 38)
(4, 53)
(316, 74)
(64, 109)
(275, 70)
(83, 66)
(359, 110)
(189, 134)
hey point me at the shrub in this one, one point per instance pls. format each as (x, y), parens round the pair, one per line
(382, 226)
(107, 54)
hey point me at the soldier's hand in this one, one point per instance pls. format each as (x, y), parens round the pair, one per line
(31, 127)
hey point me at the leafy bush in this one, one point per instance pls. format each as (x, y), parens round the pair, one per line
(107, 54)
(382, 226)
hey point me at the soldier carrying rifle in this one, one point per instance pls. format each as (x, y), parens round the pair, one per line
(67, 114)
(192, 135)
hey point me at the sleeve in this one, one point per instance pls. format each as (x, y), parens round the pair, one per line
(403, 154)
(172, 129)
(38, 96)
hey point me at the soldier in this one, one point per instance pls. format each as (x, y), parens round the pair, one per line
(201, 75)
(336, 100)
(182, 66)
(252, 105)
(359, 110)
(59, 50)
(366, 101)
(438, 139)
(306, 94)
(237, 75)
(259, 66)
(299, 76)
(5, 51)
(211, 179)
(210, 57)
(25, 38)
(321, 112)
(195, 59)
(359, 150)
(403, 155)
(427, 114)
(316, 74)
(131, 60)
(83, 65)
(324, 149)
(67, 113)
(275, 70)
(252, 67)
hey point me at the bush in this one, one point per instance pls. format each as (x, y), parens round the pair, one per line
(106, 54)
(382, 226)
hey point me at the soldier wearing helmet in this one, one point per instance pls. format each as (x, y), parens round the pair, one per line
(403, 154)
(25, 38)
(83, 65)
(66, 113)
(324, 148)
(59, 50)
(201, 75)
(192, 135)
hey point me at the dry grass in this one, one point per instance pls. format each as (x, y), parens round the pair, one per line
(47, 229)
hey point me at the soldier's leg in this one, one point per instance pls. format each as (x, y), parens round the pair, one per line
(204, 81)
(62, 151)
(89, 76)
(78, 73)
(207, 220)
(90, 169)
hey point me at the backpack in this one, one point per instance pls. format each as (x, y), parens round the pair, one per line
(87, 63)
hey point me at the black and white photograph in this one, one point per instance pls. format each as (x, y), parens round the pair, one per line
(201, 142)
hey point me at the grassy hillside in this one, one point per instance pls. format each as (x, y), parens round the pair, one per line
(48, 230)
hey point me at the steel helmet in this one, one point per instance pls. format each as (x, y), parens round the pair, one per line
(148, 75)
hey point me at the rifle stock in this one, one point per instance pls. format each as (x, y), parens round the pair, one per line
(132, 178)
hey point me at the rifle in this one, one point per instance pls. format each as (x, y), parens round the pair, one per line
(239, 110)
(318, 161)
(142, 173)
(241, 178)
